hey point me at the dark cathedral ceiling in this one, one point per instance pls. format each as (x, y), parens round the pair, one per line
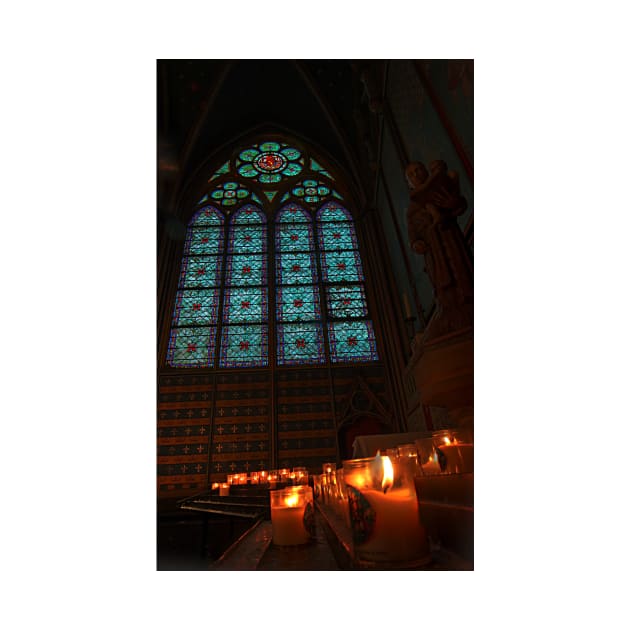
(204, 105)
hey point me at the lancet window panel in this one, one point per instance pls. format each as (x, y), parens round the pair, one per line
(245, 304)
(244, 346)
(352, 341)
(297, 303)
(346, 302)
(196, 307)
(300, 343)
(296, 268)
(192, 347)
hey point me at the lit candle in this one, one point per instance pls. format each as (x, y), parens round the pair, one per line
(292, 515)
(385, 519)
(224, 490)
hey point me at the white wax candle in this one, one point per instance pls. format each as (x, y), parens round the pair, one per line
(397, 534)
(287, 526)
(459, 457)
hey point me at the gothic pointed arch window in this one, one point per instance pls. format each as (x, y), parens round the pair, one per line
(271, 273)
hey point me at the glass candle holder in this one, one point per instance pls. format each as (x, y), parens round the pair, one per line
(427, 457)
(292, 515)
(224, 490)
(272, 479)
(384, 515)
(454, 451)
(301, 475)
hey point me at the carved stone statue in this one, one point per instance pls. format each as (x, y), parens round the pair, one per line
(434, 205)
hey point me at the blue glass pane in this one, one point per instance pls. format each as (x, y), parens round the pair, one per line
(245, 304)
(248, 238)
(200, 272)
(244, 346)
(294, 268)
(207, 216)
(290, 153)
(333, 212)
(294, 237)
(203, 241)
(341, 267)
(292, 213)
(247, 270)
(298, 303)
(191, 347)
(300, 343)
(346, 301)
(196, 307)
(248, 214)
(352, 341)
(337, 236)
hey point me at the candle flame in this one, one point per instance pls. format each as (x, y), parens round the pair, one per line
(447, 440)
(388, 474)
(291, 500)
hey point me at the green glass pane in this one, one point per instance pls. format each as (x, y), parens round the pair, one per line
(341, 267)
(352, 341)
(248, 155)
(309, 183)
(200, 271)
(203, 241)
(295, 268)
(292, 169)
(217, 194)
(191, 347)
(346, 301)
(336, 194)
(332, 212)
(298, 303)
(315, 166)
(269, 146)
(336, 235)
(204, 198)
(292, 213)
(241, 194)
(323, 191)
(290, 153)
(270, 178)
(300, 343)
(311, 199)
(270, 194)
(246, 270)
(284, 197)
(298, 192)
(294, 237)
(248, 238)
(244, 346)
(229, 202)
(247, 170)
(245, 304)
(230, 186)
(207, 216)
(196, 307)
(248, 214)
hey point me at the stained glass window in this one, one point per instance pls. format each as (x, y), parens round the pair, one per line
(193, 332)
(222, 310)
(244, 335)
(270, 162)
(350, 333)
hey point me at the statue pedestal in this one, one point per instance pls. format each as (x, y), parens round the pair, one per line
(443, 371)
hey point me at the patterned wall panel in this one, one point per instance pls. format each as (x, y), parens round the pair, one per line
(183, 429)
(241, 430)
(306, 425)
